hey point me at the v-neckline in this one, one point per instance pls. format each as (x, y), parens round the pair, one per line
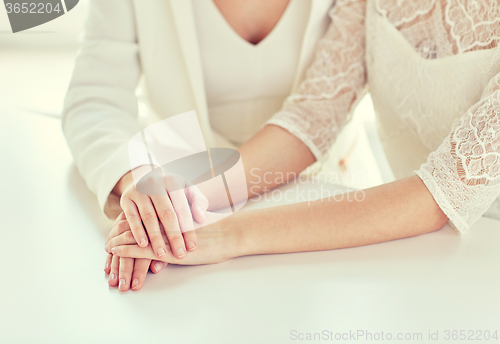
(239, 37)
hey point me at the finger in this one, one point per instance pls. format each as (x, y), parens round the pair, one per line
(134, 219)
(151, 222)
(120, 228)
(190, 239)
(107, 265)
(126, 238)
(135, 251)
(125, 273)
(198, 201)
(120, 217)
(168, 218)
(157, 265)
(113, 277)
(175, 187)
(141, 267)
(182, 210)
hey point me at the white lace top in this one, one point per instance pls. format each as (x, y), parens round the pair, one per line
(433, 68)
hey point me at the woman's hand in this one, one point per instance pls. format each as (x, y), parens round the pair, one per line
(217, 244)
(173, 209)
(129, 273)
(126, 273)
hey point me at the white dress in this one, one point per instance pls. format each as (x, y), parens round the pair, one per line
(432, 67)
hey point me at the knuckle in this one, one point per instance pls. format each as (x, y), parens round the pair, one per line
(122, 225)
(157, 241)
(123, 250)
(167, 214)
(155, 237)
(149, 217)
(183, 212)
(155, 182)
(133, 218)
(129, 235)
(173, 182)
(176, 239)
(150, 179)
(126, 195)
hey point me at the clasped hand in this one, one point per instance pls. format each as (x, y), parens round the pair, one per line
(144, 221)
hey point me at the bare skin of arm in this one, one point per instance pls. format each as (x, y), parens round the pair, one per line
(396, 210)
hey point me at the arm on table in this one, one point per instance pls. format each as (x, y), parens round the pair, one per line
(400, 209)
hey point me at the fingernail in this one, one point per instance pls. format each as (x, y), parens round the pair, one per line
(143, 242)
(106, 247)
(115, 250)
(122, 283)
(106, 266)
(161, 252)
(191, 245)
(158, 266)
(181, 252)
(135, 283)
(113, 276)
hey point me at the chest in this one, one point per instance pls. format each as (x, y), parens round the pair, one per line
(252, 20)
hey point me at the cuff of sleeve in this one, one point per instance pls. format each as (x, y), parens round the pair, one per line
(456, 222)
(297, 132)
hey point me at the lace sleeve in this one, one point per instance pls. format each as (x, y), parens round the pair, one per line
(463, 174)
(333, 84)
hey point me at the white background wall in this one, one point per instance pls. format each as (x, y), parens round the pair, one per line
(60, 33)
(36, 65)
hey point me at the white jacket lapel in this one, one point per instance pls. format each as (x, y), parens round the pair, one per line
(186, 29)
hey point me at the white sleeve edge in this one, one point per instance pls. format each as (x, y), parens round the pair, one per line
(455, 220)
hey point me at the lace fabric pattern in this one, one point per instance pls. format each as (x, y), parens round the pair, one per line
(463, 170)
(333, 84)
(463, 174)
(439, 28)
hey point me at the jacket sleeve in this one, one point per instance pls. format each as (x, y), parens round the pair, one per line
(100, 113)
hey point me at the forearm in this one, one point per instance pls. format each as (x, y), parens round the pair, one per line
(273, 151)
(392, 211)
(270, 153)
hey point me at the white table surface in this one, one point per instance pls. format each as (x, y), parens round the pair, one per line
(54, 290)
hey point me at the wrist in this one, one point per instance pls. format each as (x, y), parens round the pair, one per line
(123, 183)
(237, 232)
(128, 178)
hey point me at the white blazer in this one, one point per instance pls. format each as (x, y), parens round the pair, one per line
(152, 43)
